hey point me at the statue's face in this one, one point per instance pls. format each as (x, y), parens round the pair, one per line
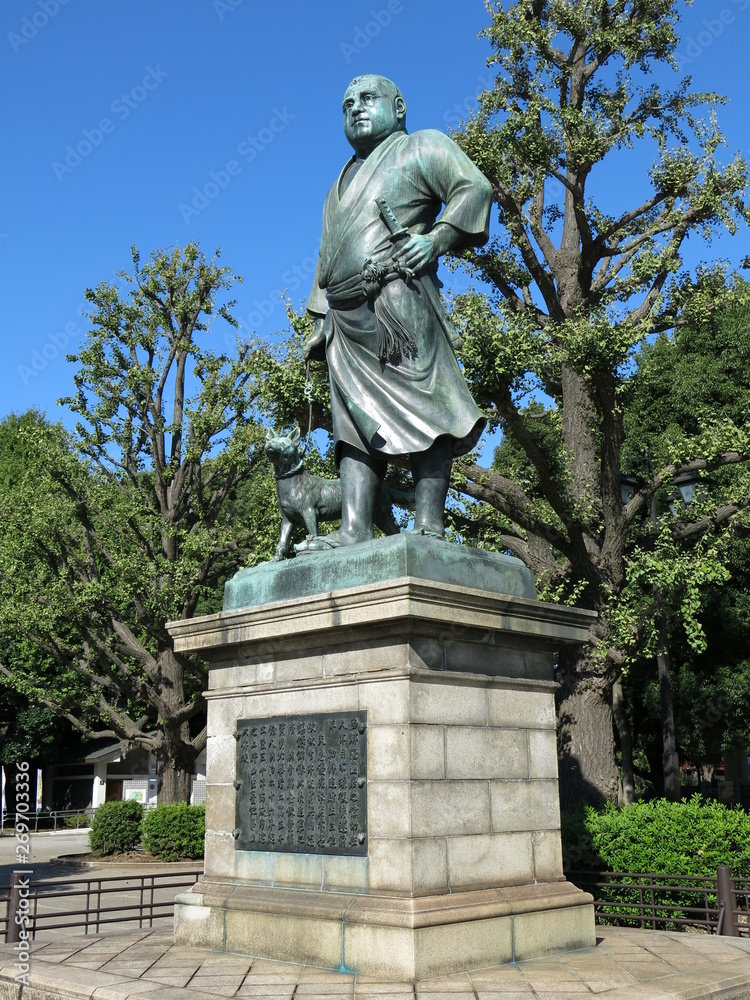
(371, 113)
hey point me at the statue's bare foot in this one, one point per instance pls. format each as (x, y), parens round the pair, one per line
(323, 543)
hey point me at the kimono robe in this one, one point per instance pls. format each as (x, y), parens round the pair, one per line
(397, 404)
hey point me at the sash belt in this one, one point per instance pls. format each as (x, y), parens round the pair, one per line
(394, 340)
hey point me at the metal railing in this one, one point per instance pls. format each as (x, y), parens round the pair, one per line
(47, 819)
(90, 903)
(717, 904)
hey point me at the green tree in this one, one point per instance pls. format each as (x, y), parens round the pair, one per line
(138, 519)
(28, 730)
(577, 283)
(683, 383)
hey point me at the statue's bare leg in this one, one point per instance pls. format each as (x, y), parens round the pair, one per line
(431, 470)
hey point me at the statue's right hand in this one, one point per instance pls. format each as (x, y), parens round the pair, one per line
(314, 346)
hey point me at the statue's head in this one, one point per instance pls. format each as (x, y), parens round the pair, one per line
(373, 109)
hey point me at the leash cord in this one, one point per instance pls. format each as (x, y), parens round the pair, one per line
(309, 397)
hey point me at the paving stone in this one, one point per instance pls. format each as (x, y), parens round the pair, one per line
(625, 965)
(263, 971)
(395, 991)
(483, 994)
(440, 995)
(280, 990)
(225, 965)
(453, 985)
(506, 978)
(381, 989)
(131, 988)
(129, 967)
(334, 984)
(224, 986)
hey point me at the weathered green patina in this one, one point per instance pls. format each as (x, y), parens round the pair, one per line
(396, 386)
(393, 558)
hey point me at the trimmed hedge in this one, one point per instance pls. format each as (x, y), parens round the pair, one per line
(656, 838)
(116, 827)
(675, 838)
(175, 831)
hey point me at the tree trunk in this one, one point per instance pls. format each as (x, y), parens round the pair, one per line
(626, 744)
(174, 779)
(175, 760)
(670, 757)
(585, 736)
(175, 756)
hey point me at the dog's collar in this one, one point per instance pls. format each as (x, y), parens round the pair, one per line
(292, 472)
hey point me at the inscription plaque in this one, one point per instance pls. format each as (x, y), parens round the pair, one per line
(302, 784)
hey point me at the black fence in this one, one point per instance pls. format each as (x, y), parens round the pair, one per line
(27, 908)
(715, 904)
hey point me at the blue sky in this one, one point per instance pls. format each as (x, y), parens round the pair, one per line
(219, 121)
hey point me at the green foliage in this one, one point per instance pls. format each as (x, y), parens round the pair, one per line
(31, 732)
(175, 831)
(139, 517)
(685, 380)
(287, 386)
(659, 837)
(656, 838)
(116, 827)
(690, 395)
(78, 822)
(711, 682)
(557, 344)
(578, 849)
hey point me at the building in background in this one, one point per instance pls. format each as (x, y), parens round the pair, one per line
(107, 774)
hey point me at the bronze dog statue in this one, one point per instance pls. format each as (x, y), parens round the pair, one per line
(305, 498)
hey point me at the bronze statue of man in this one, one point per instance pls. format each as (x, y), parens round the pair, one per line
(396, 387)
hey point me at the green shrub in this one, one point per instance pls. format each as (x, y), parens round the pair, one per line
(175, 831)
(577, 843)
(656, 838)
(78, 822)
(676, 838)
(116, 827)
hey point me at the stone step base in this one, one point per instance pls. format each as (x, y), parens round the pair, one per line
(391, 937)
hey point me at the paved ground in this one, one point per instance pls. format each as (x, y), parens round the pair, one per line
(42, 847)
(625, 965)
(130, 963)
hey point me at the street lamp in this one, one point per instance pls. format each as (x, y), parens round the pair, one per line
(628, 486)
(688, 490)
(686, 485)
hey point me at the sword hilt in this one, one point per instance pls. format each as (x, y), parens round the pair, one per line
(397, 231)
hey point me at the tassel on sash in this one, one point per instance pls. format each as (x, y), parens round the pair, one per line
(394, 340)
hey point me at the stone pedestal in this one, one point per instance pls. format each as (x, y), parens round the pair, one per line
(463, 866)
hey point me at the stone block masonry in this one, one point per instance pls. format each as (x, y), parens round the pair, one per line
(463, 866)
